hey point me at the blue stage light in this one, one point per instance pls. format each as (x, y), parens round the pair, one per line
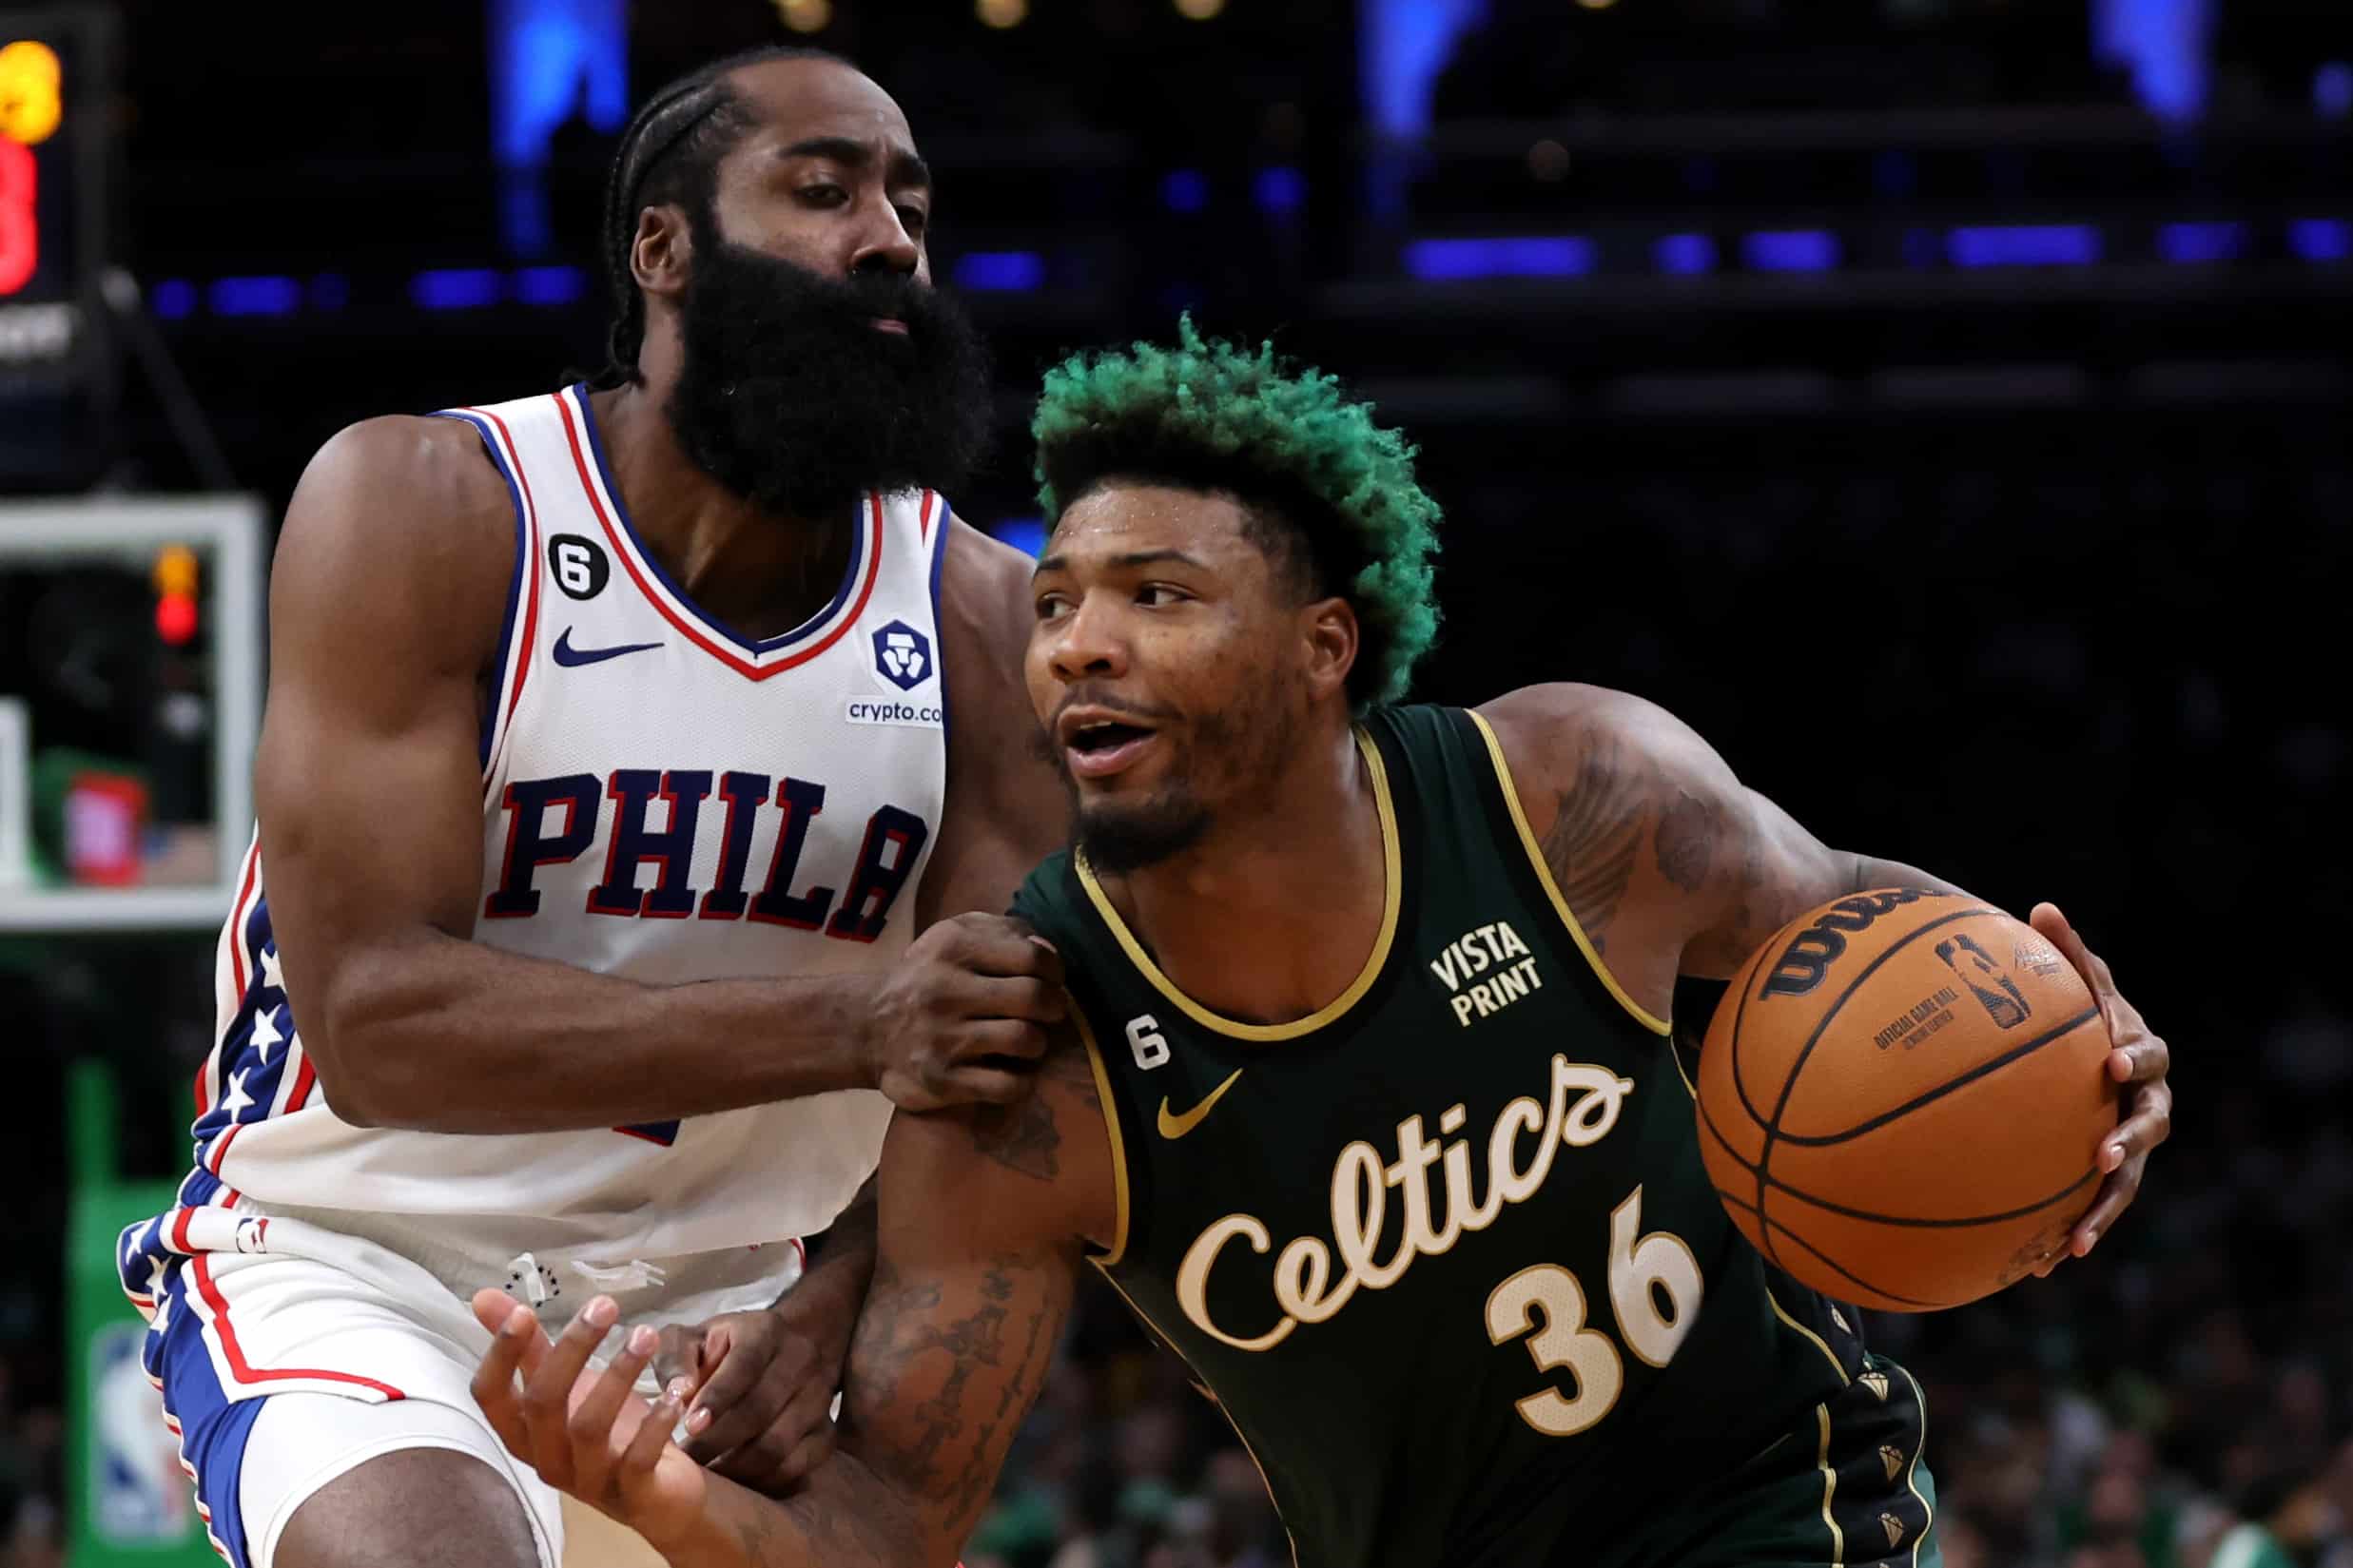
(2321, 239)
(1026, 534)
(2332, 90)
(550, 286)
(2024, 246)
(1001, 271)
(1684, 254)
(2193, 242)
(2164, 43)
(1279, 189)
(1791, 250)
(1402, 45)
(173, 299)
(256, 297)
(1455, 261)
(550, 60)
(456, 288)
(1185, 190)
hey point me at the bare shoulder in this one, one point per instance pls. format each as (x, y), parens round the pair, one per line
(984, 591)
(1630, 811)
(433, 474)
(1007, 809)
(984, 620)
(400, 535)
(1558, 733)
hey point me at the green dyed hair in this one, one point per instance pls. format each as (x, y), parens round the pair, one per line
(1319, 482)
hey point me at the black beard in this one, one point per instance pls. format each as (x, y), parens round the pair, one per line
(790, 398)
(1116, 842)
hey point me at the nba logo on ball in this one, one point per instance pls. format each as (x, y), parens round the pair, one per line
(901, 655)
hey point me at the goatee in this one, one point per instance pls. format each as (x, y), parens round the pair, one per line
(793, 398)
(1116, 842)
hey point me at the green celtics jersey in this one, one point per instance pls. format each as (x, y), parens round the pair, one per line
(1444, 1252)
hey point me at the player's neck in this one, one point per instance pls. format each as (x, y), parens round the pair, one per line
(1271, 916)
(759, 573)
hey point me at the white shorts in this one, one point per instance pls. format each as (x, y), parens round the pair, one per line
(296, 1354)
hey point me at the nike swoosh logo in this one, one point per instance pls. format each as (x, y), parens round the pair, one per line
(569, 656)
(1173, 1128)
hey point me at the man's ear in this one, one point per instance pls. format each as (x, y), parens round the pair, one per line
(662, 252)
(1331, 640)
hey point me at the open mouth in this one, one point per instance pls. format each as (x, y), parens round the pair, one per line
(1104, 746)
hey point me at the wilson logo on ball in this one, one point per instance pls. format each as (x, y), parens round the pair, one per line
(1810, 952)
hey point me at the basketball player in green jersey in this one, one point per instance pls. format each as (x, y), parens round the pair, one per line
(1370, 1111)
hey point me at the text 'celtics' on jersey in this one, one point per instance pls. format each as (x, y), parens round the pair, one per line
(1445, 1251)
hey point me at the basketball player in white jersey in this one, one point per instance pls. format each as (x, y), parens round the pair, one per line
(620, 741)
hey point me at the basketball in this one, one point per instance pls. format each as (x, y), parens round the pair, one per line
(1903, 1099)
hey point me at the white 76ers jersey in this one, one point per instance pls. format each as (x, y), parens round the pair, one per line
(663, 799)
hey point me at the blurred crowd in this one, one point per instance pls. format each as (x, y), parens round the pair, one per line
(32, 1448)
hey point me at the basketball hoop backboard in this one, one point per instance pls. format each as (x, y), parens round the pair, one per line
(130, 650)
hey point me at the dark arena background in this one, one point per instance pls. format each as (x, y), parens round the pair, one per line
(1942, 404)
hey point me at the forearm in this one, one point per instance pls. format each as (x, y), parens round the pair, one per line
(843, 1258)
(546, 1047)
(1771, 872)
(1866, 871)
(845, 1516)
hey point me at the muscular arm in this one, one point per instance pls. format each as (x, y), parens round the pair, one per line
(1007, 809)
(984, 1215)
(385, 602)
(1669, 862)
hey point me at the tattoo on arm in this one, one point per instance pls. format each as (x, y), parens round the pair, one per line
(1020, 1137)
(947, 1446)
(1724, 867)
(1026, 1137)
(1590, 846)
(1687, 842)
(1774, 879)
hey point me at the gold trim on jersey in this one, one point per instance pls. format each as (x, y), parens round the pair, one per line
(1676, 1055)
(1111, 1124)
(1392, 898)
(1919, 1444)
(1830, 1488)
(1819, 1344)
(1202, 1383)
(1552, 889)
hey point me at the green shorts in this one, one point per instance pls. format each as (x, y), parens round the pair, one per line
(1847, 1487)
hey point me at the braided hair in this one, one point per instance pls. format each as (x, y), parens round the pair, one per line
(669, 155)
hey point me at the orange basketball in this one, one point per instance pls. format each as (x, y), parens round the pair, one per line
(1903, 1099)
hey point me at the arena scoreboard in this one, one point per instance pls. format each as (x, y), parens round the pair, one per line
(57, 104)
